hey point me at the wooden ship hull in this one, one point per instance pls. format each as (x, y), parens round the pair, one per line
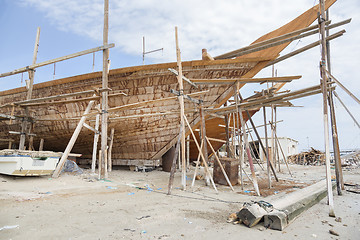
(147, 131)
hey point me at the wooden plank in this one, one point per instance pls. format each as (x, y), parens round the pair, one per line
(276, 41)
(144, 103)
(33, 66)
(85, 99)
(305, 48)
(268, 41)
(302, 21)
(245, 80)
(216, 140)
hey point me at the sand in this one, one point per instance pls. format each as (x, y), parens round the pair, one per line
(134, 205)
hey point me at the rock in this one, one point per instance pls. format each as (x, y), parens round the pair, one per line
(338, 219)
(332, 232)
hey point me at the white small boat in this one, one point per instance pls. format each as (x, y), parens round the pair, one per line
(28, 163)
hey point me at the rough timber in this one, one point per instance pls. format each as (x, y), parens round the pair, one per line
(154, 131)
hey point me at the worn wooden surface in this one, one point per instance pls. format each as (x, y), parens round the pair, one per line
(142, 137)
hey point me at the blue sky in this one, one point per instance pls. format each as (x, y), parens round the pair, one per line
(219, 26)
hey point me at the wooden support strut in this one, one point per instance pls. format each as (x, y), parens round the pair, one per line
(71, 142)
(197, 164)
(220, 164)
(201, 153)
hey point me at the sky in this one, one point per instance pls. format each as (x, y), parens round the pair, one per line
(219, 26)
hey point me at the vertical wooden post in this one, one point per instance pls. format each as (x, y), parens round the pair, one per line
(72, 141)
(247, 148)
(31, 138)
(188, 152)
(29, 91)
(268, 163)
(226, 119)
(241, 149)
(182, 111)
(325, 108)
(31, 72)
(110, 149)
(41, 145)
(197, 163)
(96, 140)
(336, 148)
(100, 164)
(104, 94)
(173, 166)
(203, 139)
(276, 147)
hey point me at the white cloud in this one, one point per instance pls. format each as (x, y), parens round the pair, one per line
(221, 26)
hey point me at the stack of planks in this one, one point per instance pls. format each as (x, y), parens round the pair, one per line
(312, 157)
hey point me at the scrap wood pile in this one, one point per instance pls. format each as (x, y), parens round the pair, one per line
(352, 159)
(312, 157)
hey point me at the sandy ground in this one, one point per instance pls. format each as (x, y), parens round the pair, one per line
(134, 205)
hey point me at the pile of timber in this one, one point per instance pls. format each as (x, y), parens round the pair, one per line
(351, 160)
(312, 157)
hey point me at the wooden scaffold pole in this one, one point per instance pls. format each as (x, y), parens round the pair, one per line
(325, 108)
(104, 94)
(335, 138)
(182, 111)
(29, 91)
(268, 162)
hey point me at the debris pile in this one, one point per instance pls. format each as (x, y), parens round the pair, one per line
(312, 157)
(351, 160)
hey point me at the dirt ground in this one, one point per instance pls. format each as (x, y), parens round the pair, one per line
(134, 205)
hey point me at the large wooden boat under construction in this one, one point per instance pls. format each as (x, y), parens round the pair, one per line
(143, 111)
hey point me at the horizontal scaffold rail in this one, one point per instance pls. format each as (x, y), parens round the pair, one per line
(32, 67)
